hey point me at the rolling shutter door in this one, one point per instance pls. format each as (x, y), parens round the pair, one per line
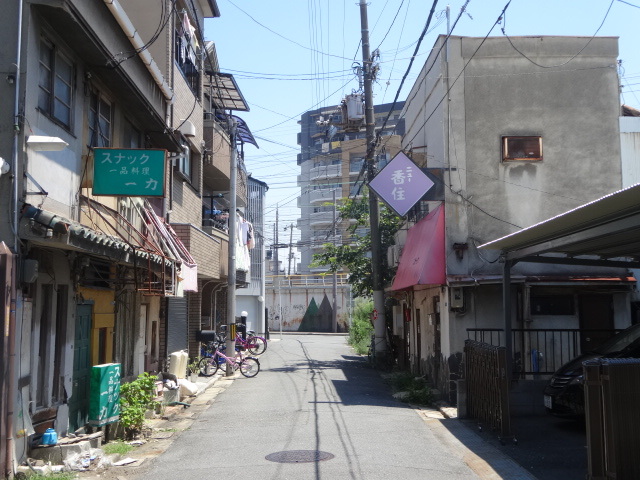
(177, 321)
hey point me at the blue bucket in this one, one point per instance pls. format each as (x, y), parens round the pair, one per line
(50, 437)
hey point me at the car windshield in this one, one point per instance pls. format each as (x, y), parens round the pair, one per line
(620, 341)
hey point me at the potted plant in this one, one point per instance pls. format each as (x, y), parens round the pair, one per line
(193, 369)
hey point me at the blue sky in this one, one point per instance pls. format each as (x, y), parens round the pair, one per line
(290, 56)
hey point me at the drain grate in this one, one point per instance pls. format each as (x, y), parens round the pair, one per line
(299, 456)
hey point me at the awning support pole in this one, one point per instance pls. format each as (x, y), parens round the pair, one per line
(506, 308)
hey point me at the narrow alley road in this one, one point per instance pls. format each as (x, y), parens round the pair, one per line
(314, 400)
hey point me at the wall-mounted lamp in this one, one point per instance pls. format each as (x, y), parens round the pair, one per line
(41, 143)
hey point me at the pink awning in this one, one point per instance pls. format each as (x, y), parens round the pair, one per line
(423, 258)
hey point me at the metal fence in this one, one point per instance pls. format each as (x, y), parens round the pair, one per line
(487, 385)
(306, 280)
(612, 396)
(537, 351)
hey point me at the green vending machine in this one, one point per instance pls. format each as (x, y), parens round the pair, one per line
(104, 396)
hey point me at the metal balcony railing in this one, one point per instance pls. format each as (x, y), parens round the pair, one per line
(325, 171)
(306, 280)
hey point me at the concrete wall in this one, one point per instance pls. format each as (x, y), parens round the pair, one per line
(630, 150)
(574, 108)
(306, 308)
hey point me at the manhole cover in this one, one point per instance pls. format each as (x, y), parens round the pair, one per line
(299, 456)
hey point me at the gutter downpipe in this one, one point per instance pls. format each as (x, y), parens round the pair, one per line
(130, 31)
(10, 330)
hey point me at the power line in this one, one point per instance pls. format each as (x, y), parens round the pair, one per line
(630, 4)
(559, 64)
(283, 37)
(461, 71)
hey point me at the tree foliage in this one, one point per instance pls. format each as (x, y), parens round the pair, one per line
(355, 255)
(361, 326)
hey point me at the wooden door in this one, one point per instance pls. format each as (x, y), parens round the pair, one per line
(79, 401)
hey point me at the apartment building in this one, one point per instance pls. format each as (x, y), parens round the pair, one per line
(116, 141)
(331, 160)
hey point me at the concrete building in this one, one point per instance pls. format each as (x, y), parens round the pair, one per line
(523, 129)
(98, 269)
(252, 298)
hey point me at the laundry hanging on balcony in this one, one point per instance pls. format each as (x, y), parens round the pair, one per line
(243, 259)
(246, 229)
(187, 41)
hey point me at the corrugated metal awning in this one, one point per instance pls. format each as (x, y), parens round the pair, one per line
(224, 92)
(605, 232)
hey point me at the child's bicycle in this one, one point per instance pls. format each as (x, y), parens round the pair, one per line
(249, 366)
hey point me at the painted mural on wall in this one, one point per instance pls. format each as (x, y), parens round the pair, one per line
(306, 310)
(317, 319)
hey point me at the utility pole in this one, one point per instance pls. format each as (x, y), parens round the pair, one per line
(290, 227)
(276, 277)
(275, 253)
(374, 213)
(231, 278)
(334, 308)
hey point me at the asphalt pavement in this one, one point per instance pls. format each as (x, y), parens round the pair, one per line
(317, 411)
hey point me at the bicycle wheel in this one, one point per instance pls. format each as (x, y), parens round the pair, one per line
(256, 345)
(249, 367)
(208, 366)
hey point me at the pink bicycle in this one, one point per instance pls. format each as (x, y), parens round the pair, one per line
(254, 344)
(249, 366)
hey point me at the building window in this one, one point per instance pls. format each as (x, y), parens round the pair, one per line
(183, 162)
(132, 138)
(355, 164)
(515, 149)
(188, 52)
(55, 96)
(552, 305)
(99, 121)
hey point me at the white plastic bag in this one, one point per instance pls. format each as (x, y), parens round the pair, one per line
(187, 388)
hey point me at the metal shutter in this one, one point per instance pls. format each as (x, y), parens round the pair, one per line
(177, 325)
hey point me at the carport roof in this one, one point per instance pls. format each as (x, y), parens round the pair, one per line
(605, 232)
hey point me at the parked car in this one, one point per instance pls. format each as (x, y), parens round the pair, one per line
(564, 394)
